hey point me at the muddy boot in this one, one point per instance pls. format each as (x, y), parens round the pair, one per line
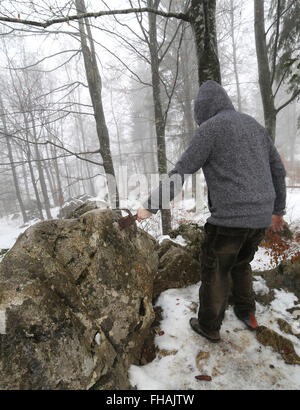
(211, 335)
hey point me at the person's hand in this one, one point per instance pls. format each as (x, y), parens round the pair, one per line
(142, 214)
(277, 223)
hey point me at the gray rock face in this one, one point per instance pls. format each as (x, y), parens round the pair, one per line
(75, 304)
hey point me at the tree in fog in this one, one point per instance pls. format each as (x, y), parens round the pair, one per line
(277, 55)
(16, 182)
(95, 89)
(198, 15)
(229, 41)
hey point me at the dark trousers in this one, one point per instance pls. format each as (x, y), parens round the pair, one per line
(226, 257)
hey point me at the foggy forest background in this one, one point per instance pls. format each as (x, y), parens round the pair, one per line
(83, 98)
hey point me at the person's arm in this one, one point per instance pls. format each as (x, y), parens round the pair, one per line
(190, 162)
(278, 175)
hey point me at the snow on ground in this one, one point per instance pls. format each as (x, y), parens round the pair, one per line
(238, 362)
(293, 207)
(179, 239)
(9, 232)
(10, 229)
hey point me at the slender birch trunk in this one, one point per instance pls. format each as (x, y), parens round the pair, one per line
(95, 89)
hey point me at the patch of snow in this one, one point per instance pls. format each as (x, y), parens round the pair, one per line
(293, 207)
(98, 339)
(283, 301)
(259, 286)
(10, 230)
(261, 260)
(179, 239)
(238, 362)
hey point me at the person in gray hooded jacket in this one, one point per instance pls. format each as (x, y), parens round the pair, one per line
(246, 194)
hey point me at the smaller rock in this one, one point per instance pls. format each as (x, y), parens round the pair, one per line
(193, 307)
(280, 344)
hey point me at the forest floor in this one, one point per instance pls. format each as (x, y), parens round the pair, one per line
(238, 362)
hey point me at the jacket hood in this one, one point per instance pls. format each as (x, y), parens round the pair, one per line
(211, 99)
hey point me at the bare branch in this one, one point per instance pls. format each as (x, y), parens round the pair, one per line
(47, 23)
(76, 154)
(295, 95)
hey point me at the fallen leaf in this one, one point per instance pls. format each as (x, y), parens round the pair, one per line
(203, 377)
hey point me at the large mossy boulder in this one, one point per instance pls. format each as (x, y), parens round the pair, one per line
(75, 304)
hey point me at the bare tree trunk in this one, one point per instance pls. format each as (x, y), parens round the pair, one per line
(292, 134)
(68, 178)
(31, 170)
(51, 184)
(51, 178)
(264, 73)
(60, 195)
(187, 93)
(202, 18)
(234, 54)
(35, 188)
(95, 88)
(158, 111)
(26, 186)
(153, 157)
(40, 169)
(13, 168)
(81, 130)
(188, 117)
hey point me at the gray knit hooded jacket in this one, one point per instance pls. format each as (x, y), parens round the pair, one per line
(243, 170)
